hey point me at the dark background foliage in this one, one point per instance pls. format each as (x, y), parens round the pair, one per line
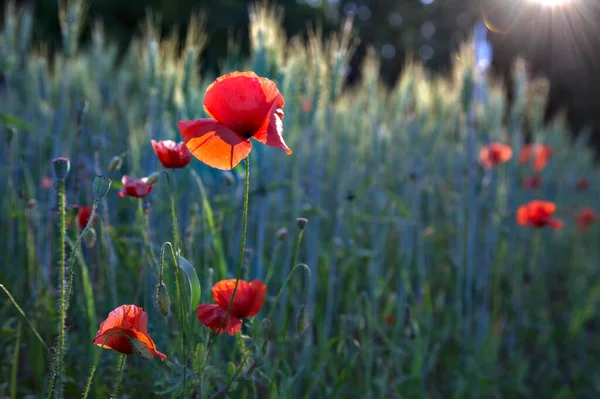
(562, 43)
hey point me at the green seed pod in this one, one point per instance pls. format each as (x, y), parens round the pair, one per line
(100, 187)
(162, 299)
(61, 168)
(302, 223)
(281, 234)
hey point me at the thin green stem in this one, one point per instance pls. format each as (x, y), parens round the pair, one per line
(74, 249)
(240, 256)
(183, 319)
(272, 262)
(58, 366)
(22, 312)
(88, 385)
(117, 385)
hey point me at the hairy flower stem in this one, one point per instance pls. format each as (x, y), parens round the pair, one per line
(58, 366)
(117, 385)
(88, 385)
(76, 245)
(240, 257)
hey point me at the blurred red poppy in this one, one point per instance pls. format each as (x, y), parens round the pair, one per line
(585, 218)
(241, 105)
(46, 183)
(83, 216)
(131, 321)
(172, 155)
(538, 214)
(249, 299)
(539, 153)
(306, 106)
(582, 184)
(135, 187)
(494, 154)
(532, 182)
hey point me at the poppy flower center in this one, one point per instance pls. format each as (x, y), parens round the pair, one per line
(247, 134)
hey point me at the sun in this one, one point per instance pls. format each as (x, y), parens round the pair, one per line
(551, 3)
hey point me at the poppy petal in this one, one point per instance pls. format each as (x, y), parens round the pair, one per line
(259, 292)
(214, 144)
(223, 290)
(116, 341)
(212, 316)
(241, 101)
(270, 133)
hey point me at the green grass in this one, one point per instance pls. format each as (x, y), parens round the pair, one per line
(413, 279)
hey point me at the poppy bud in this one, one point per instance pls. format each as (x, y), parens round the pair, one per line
(302, 223)
(281, 234)
(153, 179)
(162, 299)
(302, 321)
(100, 187)
(31, 203)
(90, 237)
(115, 163)
(61, 168)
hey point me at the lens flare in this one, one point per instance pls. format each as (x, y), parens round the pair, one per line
(551, 3)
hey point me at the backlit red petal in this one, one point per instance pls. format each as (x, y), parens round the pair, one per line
(213, 315)
(271, 131)
(241, 101)
(214, 144)
(257, 300)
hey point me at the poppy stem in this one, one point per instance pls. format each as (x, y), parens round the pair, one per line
(88, 385)
(76, 245)
(117, 385)
(240, 257)
(57, 367)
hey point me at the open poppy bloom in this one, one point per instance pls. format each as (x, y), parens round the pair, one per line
(241, 105)
(540, 154)
(131, 321)
(532, 182)
(172, 155)
(582, 184)
(135, 187)
(83, 216)
(494, 154)
(585, 218)
(249, 299)
(538, 214)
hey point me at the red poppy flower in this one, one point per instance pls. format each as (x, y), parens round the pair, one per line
(585, 218)
(538, 214)
(532, 182)
(540, 154)
(249, 299)
(83, 216)
(494, 154)
(172, 155)
(241, 105)
(582, 184)
(390, 319)
(132, 321)
(135, 187)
